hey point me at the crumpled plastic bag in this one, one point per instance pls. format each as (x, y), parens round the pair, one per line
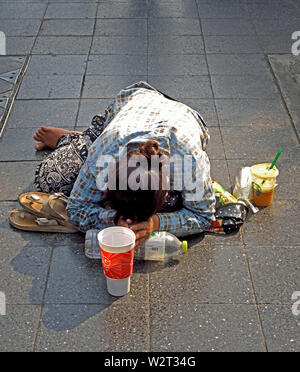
(243, 188)
(230, 212)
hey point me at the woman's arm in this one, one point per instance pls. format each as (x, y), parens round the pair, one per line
(84, 207)
(198, 209)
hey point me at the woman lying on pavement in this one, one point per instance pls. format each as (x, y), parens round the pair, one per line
(175, 195)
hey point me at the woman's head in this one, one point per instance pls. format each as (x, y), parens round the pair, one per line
(140, 199)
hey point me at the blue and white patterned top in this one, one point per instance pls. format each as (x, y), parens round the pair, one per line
(141, 113)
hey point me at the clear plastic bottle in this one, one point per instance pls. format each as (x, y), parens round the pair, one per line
(161, 246)
(91, 246)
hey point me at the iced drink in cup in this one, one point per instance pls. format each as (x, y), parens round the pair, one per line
(117, 252)
(263, 183)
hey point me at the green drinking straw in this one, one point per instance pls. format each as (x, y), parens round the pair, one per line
(274, 161)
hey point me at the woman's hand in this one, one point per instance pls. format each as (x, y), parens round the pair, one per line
(144, 229)
(124, 223)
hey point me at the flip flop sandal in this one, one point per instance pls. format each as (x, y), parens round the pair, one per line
(26, 221)
(50, 206)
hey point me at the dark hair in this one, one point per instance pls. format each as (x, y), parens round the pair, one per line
(139, 204)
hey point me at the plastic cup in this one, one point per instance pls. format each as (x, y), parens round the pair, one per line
(263, 184)
(117, 252)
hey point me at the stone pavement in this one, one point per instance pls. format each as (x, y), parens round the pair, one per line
(231, 60)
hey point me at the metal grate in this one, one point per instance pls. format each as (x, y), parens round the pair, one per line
(10, 81)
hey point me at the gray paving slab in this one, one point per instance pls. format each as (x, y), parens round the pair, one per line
(97, 86)
(206, 108)
(271, 44)
(214, 148)
(173, 9)
(275, 225)
(83, 281)
(222, 10)
(219, 173)
(287, 71)
(281, 328)
(120, 327)
(117, 65)
(121, 27)
(237, 64)
(244, 112)
(89, 108)
(20, 10)
(19, 178)
(268, 9)
(24, 273)
(244, 86)
(232, 44)
(131, 45)
(202, 301)
(72, 10)
(19, 45)
(10, 149)
(56, 65)
(177, 65)
(13, 27)
(227, 27)
(34, 113)
(175, 45)
(214, 240)
(36, 87)
(203, 275)
(18, 327)
(197, 328)
(124, 9)
(277, 26)
(174, 26)
(275, 272)
(257, 139)
(180, 87)
(67, 27)
(62, 45)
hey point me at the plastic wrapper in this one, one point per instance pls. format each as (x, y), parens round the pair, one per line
(224, 197)
(243, 188)
(230, 212)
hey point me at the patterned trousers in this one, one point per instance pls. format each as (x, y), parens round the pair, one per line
(58, 172)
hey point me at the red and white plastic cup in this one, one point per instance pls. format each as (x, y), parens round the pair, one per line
(117, 253)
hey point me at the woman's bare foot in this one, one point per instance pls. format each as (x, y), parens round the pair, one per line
(47, 137)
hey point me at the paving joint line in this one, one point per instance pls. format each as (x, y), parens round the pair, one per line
(213, 94)
(283, 99)
(43, 301)
(274, 79)
(242, 235)
(86, 68)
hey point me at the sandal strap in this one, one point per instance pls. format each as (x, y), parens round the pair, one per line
(45, 222)
(50, 211)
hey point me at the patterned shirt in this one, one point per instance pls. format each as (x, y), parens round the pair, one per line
(141, 113)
